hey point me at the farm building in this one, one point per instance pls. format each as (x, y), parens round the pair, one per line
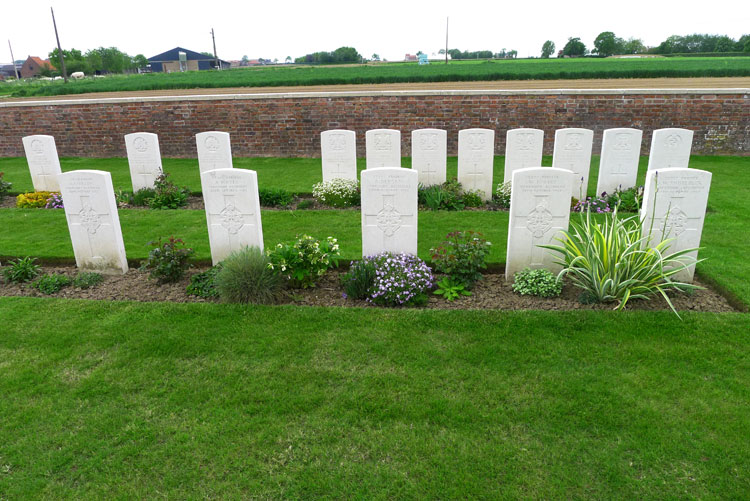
(169, 61)
(33, 67)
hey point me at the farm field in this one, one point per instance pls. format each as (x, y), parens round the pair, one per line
(126, 399)
(524, 69)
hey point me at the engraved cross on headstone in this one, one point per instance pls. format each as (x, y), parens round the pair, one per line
(90, 222)
(388, 219)
(539, 222)
(231, 220)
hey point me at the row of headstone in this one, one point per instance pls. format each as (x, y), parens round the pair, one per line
(674, 207)
(618, 167)
(429, 157)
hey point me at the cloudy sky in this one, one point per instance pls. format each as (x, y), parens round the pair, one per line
(281, 28)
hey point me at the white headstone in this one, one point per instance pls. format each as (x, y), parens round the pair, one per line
(523, 148)
(618, 164)
(93, 222)
(214, 150)
(573, 152)
(232, 211)
(44, 165)
(429, 149)
(670, 148)
(539, 212)
(476, 156)
(389, 211)
(144, 159)
(383, 148)
(675, 200)
(338, 152)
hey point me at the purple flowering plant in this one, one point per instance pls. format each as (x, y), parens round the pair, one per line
(400, 279)
(54, 201)
(598, 205)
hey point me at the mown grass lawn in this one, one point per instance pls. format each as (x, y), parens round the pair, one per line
(136, 400)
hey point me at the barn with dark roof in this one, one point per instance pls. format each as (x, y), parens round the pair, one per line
(169, 61)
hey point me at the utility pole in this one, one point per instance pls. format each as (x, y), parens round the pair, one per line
(59, 49)
(13, 61)
(218, 66)
(446, 40)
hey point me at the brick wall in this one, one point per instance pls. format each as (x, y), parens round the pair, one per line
(289, 125)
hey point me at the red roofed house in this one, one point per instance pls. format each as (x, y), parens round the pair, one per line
(33, 67)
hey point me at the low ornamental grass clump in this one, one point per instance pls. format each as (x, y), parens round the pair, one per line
(21, 270)
(338, 192)
(615, 261)
(275, 197)
(245, 276)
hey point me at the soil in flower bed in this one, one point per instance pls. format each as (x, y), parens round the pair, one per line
(492, 292)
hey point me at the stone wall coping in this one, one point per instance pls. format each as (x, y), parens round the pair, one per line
(387, 93)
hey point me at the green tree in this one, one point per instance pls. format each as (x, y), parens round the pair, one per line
(548, 48)
(245, 58)
(375, 57)
(574, 48)
(607, 44)
(633, 46)
(140, 61)
(288, 59)
(74, 61)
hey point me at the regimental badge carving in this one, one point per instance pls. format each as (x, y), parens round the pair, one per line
(539, 220)
(382, 142)
(389, 219)
(573, 141)
(622, 142)
(37, 147)
(428, 141)
(140, 144)
(337, 142)
(231, 219)
(477, 140)
(90, 220)
(676, 221)
(525, 141)
(212, 144)
(673, 141)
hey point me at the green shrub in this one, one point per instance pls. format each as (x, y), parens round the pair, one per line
(539, 282)
(502, 195)
(204, 284)
(51, 284)
(5, 186)
(446, 196)
(246, 276)
(461, 256)
(612, 261)
(87, 279)
(275, 197)
(628, 200)
(143, 197)
(33, 200)
(21, 270)
(305, 204)
(167, 195)
(338, 192)
(168, 261)
(472, 198)
(305, 260)
(359, 279)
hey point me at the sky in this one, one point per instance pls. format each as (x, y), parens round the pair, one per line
(385, 27)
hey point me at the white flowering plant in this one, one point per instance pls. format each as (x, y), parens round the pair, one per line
(304, 260)
(338, 192)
